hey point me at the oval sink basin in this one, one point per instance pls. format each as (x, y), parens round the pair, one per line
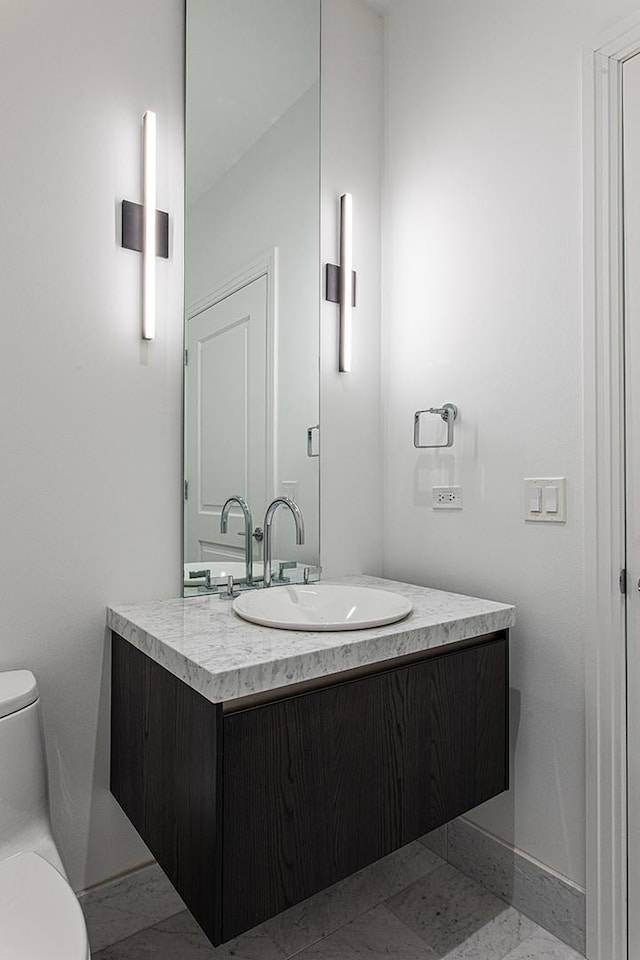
(321, 606)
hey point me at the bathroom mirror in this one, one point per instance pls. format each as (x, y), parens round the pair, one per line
(252, 280)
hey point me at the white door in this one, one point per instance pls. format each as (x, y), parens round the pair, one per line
(228, 420)
(631, 174)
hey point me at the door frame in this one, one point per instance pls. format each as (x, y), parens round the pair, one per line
(266, 265)
(604, 488)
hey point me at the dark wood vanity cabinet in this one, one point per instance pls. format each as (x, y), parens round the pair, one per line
(254, 805)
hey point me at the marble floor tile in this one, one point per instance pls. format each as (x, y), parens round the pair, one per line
(436, 841)
(179, 938)
(443, 915)
(377, 934)
(306, 922)
(458, 918)
(128, 904)
(542, 945)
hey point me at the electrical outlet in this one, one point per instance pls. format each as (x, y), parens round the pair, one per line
(446, 498)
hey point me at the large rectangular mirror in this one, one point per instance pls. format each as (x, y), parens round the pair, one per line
(252, 280)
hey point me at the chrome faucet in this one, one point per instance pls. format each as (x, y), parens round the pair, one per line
(248, 530)
(268, 520)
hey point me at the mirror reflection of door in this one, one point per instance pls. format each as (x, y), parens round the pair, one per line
(228, 420)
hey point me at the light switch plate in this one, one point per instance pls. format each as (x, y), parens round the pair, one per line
(550, 494)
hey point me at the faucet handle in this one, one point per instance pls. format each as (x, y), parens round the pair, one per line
(258, 534)
(310, 572)
(229, 591)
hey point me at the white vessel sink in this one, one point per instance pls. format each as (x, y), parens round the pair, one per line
(321, 606)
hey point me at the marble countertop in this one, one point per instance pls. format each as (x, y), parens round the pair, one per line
(203, 642)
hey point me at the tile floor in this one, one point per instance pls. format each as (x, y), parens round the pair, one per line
(441, 914)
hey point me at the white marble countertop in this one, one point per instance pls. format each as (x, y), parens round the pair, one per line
(203, 642)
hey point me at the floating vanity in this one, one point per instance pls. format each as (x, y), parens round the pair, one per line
(262, 765)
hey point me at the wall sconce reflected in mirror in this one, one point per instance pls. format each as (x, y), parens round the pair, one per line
(146, 229)
(341, 283)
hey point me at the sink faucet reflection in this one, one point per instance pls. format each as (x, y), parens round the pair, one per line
(248, 530)
(268, 520)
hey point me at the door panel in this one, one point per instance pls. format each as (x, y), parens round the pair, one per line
(227, 398)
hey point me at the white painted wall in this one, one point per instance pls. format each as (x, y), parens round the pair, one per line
(482, 278)
(350, 404)
(267, 200)
(90, 418)
(90, 424)
(483, 308)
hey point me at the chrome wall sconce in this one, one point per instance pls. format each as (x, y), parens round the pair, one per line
(340, 284)
(146, 229)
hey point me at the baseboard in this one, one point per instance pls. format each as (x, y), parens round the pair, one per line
(545, 897)
(130, 903)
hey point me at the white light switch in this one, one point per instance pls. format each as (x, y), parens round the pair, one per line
(535, 499)
(545, 499)
(551, 499)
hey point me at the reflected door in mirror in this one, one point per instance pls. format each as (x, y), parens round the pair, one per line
(228, 436)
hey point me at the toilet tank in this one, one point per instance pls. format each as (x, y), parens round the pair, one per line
(24, 799)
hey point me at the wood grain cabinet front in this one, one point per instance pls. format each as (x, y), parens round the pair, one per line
(296, 793)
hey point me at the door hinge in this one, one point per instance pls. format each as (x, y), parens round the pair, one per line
(622, 580)
(186, 358)
(186, 490)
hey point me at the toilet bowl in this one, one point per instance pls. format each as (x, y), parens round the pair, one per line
(40, 917)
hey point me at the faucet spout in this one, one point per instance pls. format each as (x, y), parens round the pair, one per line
(268, 520)
(248, 530)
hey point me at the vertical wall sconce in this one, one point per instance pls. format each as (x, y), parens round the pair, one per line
(341, 283)
(149, 231)
(146, 229)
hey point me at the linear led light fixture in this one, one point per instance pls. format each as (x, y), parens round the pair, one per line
(149, 226)
(346, 282)
(341, 283)
(146, 229)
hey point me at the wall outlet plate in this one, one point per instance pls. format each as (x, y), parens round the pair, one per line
(446, 498)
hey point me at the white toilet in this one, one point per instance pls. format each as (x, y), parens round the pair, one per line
(40, 917)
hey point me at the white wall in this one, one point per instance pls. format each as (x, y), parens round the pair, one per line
(269, 199)
(350, 404)
(90, 419)
(483, 309)
(90, 424)
(482, 278)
